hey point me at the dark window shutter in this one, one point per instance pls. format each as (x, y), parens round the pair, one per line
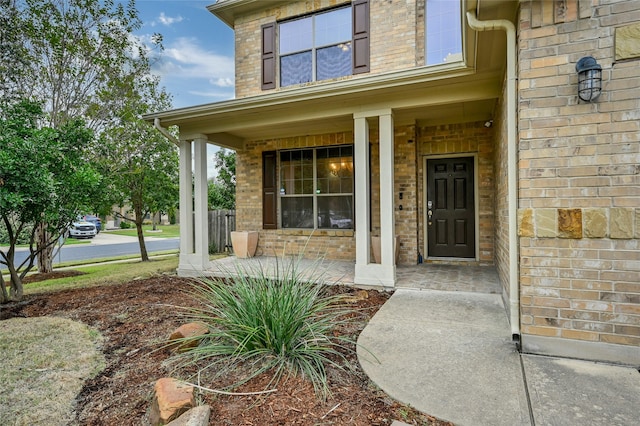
(269, 191)
(269, 56)
(360, 36)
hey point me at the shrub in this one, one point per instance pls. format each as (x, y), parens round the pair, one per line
(213, 248)
(281, 324)
(125, 225)
(24, 238)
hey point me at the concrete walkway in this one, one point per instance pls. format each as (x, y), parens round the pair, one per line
(449, 354)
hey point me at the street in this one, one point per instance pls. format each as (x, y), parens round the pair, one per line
(106, 245)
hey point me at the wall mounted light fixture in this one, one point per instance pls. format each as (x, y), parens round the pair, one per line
(589, 78)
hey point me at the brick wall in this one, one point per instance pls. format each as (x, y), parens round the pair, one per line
(405, 170)
(501, 211)
(331, 244)
(579, 171)
(396, 38)
(472, 138)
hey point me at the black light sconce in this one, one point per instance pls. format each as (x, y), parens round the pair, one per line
(589, 78)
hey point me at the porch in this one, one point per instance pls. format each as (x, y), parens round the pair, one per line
(426, 276)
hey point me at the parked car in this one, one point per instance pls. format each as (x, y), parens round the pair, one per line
(95, 220)
(340, 222)
(82, 229)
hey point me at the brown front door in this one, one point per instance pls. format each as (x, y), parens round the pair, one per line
(450, 208)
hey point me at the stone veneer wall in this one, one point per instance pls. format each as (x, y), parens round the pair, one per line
(396, 38)
(471, 138)
(579, 167)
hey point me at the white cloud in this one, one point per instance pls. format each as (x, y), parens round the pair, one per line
(217, 94)
(222, 82)
(186, 59)
(166, 20)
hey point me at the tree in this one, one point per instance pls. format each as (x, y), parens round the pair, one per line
(13, 53)
(222, 188)
(140, 164)
(44, 179)
(79, 59)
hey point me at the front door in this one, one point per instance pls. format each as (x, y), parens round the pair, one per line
(450, 207)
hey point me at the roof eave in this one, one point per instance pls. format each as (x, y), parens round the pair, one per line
(319, 91)
(228, 10)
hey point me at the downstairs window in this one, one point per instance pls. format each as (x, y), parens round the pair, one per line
(316, 188)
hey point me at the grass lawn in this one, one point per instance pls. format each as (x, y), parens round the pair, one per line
(162, 231)
(106, 273)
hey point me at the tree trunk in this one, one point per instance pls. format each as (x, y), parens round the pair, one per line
(45, 253)
(4, 296)
(143, 247)
(139, 220)
(16, 291)
(153, 221)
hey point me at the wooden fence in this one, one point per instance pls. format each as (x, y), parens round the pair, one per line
(221, 223)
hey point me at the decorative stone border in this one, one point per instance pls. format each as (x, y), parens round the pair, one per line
(615, 223)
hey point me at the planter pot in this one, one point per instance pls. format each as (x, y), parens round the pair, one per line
(377, 254)
(244, 243)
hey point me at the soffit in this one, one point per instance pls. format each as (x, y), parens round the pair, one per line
(228, 10)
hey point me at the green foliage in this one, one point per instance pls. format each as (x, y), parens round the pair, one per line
(81, 58)
(282, 324)
(125, 225)
(222, 188)
(23, 237)
(44, 179)
(13, 53)
(213, 248)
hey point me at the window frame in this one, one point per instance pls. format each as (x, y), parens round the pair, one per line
(314, 46)
(314, 195)
(460, 33)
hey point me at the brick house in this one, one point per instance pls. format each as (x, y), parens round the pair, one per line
(454, 132)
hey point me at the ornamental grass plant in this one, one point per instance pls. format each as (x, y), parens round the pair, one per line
(280, 321)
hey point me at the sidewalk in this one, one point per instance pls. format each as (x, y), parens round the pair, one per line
(449, 354)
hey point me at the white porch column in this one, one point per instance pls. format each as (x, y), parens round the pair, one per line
(201, 205)
(363, 197)
(186, 207)
(194, 255)
(383, 274)
(387, 216)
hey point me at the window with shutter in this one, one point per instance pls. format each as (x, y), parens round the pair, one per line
(269, 190)
(325, 45)
(360, 36)
(269, 56)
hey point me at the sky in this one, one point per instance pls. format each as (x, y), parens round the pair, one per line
(197, 65)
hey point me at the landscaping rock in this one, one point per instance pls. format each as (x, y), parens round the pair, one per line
(192, 329)
(358, 296)
(171, 399)
(197, 416)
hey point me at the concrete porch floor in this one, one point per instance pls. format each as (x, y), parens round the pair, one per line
(426, 276)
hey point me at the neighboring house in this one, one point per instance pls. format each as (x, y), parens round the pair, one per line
(454, 127)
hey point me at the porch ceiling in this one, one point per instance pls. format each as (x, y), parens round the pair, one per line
(426, 96)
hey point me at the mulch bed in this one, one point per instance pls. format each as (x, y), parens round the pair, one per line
(136, 318)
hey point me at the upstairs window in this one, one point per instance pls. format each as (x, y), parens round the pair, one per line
(443, 32)
(322, 46)
(317, 47)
